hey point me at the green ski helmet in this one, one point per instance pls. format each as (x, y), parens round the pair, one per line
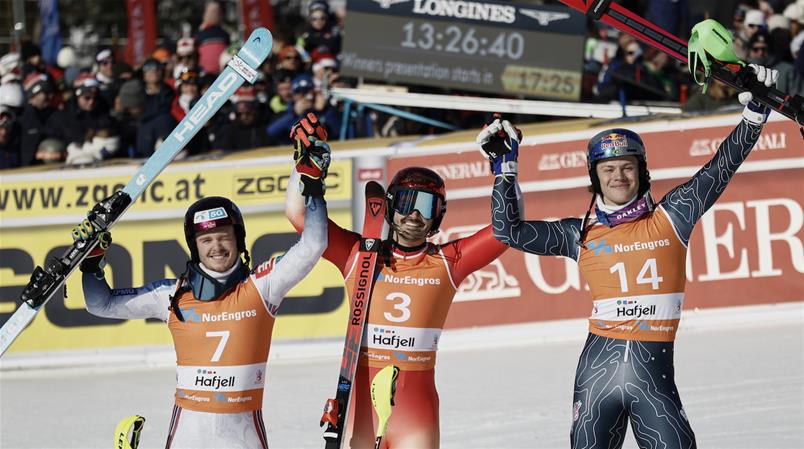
(709, 37)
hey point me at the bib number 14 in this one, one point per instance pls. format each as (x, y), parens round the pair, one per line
(649, 274)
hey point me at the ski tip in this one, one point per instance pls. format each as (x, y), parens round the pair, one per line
(257, 48)
(374, 189)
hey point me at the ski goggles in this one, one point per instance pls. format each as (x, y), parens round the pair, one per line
(408, 200)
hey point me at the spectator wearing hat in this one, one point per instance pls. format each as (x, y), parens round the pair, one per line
(186, 57)
(155, 122)
(9, 139)
(289, 60)
(304, 101)
(211, 39)
(627, 76)
(31, 59)
(187, 94)
(283, 82)
(10, 68)
(325, 70)
(247, 130)
(760, 51)
(108, 85)
(35, 116)
(129, 106)
(12, 97)
(753, 22)
(85, 125)
(320, 32)
(795, 12)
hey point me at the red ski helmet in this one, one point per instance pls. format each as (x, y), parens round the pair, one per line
(211, 212)
(418, 179)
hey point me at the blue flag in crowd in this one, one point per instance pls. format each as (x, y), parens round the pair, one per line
(50, 39)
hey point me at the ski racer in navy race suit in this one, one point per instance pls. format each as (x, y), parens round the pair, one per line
(414, 287)
(632, 253)
(220, 313)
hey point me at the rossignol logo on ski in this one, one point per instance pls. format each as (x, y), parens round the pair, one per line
(375, 205)
(369, 245)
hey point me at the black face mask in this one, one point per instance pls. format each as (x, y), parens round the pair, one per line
(207, 288)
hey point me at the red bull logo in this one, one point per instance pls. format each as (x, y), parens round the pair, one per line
(614, 140)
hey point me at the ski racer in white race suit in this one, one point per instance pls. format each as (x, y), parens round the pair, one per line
(625, 372)
(220, 314)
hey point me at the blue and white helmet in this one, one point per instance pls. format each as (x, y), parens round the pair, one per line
(612, 143)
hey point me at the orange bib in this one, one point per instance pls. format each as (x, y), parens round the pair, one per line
(409, 306)
(222, 350)
(636, 272)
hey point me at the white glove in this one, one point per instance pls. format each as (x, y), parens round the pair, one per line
(499, 143)
(755, 112)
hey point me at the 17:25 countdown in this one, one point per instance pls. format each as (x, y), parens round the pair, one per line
(454, 40)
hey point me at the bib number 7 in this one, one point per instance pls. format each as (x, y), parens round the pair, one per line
(224, 336)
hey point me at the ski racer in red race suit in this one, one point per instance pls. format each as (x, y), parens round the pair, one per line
(632, 252)
(413, 291)
(221, 315)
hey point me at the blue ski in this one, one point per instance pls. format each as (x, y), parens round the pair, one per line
(45, 281)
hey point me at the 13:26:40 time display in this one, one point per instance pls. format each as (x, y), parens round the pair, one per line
(454, 39)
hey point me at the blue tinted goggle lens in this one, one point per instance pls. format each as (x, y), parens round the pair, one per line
(406, 201)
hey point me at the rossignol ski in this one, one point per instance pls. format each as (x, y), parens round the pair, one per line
(45, 281)
(739, 77)
(335, 410)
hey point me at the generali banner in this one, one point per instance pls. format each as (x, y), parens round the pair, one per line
(746, 250)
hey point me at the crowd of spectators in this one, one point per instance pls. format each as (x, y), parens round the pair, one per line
(619, 68)
(82, 115)
(68, 113)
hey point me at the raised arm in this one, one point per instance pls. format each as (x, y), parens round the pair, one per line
(299, 260)
(499, 142)
(545, 238)
(687, 203)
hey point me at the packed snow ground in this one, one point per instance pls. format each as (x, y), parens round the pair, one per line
(740, 375)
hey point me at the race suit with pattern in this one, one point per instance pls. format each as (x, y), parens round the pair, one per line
(409, 305)
(636, 273)
(222, 346)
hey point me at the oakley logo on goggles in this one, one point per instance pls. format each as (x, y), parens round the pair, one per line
(406, 201)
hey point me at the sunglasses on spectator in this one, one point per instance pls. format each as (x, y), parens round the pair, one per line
(105, 62)
(88, 97)
(318, 18)
(291, 57)
(753, 25)
(759, 49)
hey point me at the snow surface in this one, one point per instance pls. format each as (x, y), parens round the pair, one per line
(741, 382)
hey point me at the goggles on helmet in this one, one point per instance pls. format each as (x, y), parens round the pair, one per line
(408, 200)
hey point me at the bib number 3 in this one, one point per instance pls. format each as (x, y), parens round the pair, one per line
(402, 307)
